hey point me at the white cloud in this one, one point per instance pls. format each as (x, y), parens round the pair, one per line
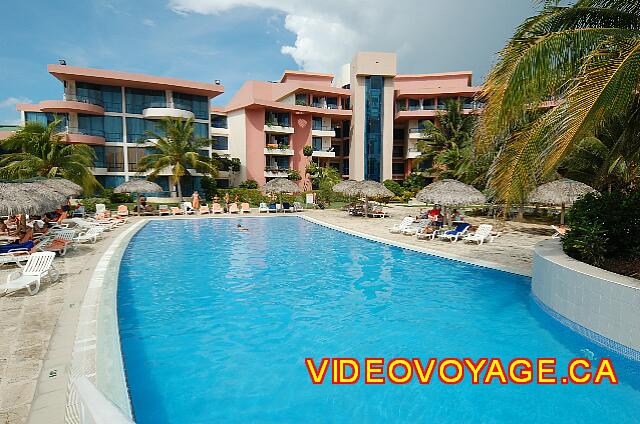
(149, 22)
(428, 35)
(11, 102)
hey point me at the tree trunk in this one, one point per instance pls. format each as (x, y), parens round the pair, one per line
(521, 212)
(179, 186)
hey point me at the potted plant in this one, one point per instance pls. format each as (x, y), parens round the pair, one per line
(307, 150)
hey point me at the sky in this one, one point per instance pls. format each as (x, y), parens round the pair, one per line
(236, 40)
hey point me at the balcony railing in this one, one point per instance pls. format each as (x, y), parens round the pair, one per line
(417, 130)
(279, 146)
(84, 131)
(320, 127)
(276, 168)
(83, 99)
(325, 105)
(320, 149)
(115, 166)
(276, 123)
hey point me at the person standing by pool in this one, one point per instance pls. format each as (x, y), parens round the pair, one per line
(227, 198)
(195, 200)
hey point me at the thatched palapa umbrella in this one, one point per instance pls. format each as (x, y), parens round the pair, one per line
(61, 185)
(28, 198)
(450, 193)
(137, 186)
(281, 185)
(561, 193)
(368, 189)
(343, 186)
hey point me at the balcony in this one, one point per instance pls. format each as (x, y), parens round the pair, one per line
(278, 150)
(76, 135)
(72, 103)
(278, 127)
(417, 134)
(219, 131)
(160, 110)
(321, 105)
(320, 131)
(276, 172)
(323, 153)
(412, 153)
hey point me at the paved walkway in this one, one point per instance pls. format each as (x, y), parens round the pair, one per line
(27, 323)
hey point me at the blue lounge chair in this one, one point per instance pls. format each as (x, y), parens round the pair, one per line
(286, 207)
(27, 245)
(457, 233)
(272, 207)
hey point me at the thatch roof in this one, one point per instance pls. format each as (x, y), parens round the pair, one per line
(280, 185)
(368, 189)
(559, 192)
(343, 186)
(450, 193)
(137, 186)
(66, 187)
(29, 198)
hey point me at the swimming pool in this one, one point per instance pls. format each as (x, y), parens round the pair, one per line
(215, 325)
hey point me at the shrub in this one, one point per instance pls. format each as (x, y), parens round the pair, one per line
(394, 187)
(415, 181)
(209, 186)
(250, 184)
(253, 196)
(604, 227)
(294, 175)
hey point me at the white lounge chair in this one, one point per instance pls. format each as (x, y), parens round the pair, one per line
(297, 207)
(263, 207)
(204, 209)
(482, 233)
(14, 256)
(163, 210)
(245, 208)
(91, 235)
(404, 224)
(413, 229)
(38, 266)
(187, 207)
(428, 236)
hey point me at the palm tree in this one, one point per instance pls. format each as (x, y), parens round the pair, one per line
(39, 151)
(178, 150)
(449, 146)
(586, 59)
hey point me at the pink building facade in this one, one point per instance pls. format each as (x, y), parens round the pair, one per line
(365, 122)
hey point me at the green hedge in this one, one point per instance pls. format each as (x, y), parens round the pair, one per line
(604, 227)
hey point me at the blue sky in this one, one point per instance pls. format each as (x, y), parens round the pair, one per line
(236, 40)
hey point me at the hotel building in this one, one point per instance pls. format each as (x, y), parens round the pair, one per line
(366, 122)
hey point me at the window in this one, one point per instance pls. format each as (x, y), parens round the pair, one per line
(113, 128)
(222, 183)
(100, 161)
(200, 130)
(398, 133)
(199, 105)
(414, 104)
(397, 168)
(45, 118)
(136, 128)
(277, 118)
(441, 104)
(114, 157)
(317, 123)
(219, 121)
(91, 125)
(138, 99)
(134, 154)
(111, 181)
(428, 104)
(89, 93)
(220, 143)
(345, 166)
(277, 140)
(112, 98)
(345, 149)
(374, 98)
(398, 151)
(316, 143)
(301, 99)
(332, 102)
(336, 149)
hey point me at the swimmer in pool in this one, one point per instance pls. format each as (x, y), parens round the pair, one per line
(241, 228)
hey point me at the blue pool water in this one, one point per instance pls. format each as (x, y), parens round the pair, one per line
(215, 325)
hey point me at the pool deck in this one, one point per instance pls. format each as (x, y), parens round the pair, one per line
(38, 333)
